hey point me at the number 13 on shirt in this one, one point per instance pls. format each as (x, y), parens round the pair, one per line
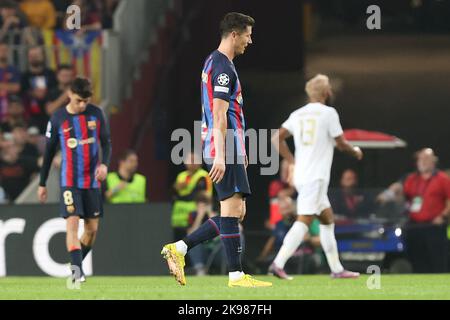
(307, 131)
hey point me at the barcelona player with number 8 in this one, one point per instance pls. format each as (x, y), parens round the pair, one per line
(80, 130)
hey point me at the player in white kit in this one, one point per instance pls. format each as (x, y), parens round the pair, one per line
(316, 130)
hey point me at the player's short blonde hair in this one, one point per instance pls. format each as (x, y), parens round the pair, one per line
(318, 87)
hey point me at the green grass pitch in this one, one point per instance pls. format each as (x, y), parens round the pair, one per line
(215, 287)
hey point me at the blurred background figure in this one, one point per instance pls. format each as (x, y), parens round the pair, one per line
(187, 184)
(126, 185)
(308, 258)
(27, 150)
(275, 187)
(9, 79)
(40, 13)
(348, 200)
(427, 193)
(208, 254)
(57, 97)
(36, 139)
(36, 83)
(12, 22)
(15, 171)
(15, 115)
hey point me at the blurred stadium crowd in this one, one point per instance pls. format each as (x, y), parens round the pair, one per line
(34, 77)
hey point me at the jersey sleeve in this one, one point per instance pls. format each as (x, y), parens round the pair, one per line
(289, 124)
(223, 82)
(105, 139)
(334, 125)
(51, 135)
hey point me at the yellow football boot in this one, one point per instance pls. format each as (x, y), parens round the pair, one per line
(175, 261)
(247, 281)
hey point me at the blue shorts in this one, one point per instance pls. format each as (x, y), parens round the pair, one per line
(85, 203)
(234, 181)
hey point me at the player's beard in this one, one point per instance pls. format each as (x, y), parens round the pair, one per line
(329, 100)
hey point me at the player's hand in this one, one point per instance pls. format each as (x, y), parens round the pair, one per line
(101, 172)
(42, 194)
(358, 153)
(218, 170)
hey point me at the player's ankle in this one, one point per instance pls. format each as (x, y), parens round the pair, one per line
(181, 247)
(235, 275)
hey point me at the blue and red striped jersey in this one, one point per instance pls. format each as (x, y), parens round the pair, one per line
(220, 80)
(80, 137)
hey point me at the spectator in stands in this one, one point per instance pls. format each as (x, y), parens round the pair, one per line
(204, 211)
(21, 139)
(12, 22)
(36, 83)
(9, 79)
(57, 96)
(37, 140)
(349, 200)
(275, 187)
(310, 245)
(427, 193)
(126, 185)
(40, 13)
(15, 172)
(15, 115)
(187, 184)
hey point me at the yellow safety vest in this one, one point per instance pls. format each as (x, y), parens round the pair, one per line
(182, 208)
(134, 192)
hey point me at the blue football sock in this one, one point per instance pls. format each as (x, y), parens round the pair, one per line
(231, 239)
(85, 251)
(76, 259)
(207, 231)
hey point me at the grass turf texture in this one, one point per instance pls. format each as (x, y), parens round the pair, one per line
(215, 287)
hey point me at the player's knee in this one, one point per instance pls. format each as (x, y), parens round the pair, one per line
(232, 207)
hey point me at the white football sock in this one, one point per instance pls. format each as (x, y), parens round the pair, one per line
(290, 243)
(181, 247)
(329, 245)
(235, 275)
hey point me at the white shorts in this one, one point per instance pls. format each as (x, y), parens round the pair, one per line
(312, 198)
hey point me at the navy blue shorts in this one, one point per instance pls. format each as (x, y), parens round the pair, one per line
(85, 203)
(234, 181)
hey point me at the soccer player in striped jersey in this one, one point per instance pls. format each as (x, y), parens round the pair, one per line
(222, 103)
(80, 130)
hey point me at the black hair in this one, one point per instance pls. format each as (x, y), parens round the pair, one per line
(64, 67)
(82, 87)
(235, 21)
(124, 155)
